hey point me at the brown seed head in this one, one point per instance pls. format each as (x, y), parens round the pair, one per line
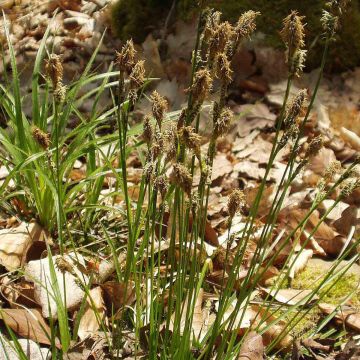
(246, 23)
(295, 107)
(349, 187)
(41, 137)
(191, 139)
(170, 144)
(293, 33)
(212, 23)
(161, 184)
(182, 177)
(137, 76)
(222, 123)
(159, 107)
(220, 37)
(148, 131)
(330, 23)
(202, 85)
(315, 146)
(236, 202)
(54, 69)
(222, 68)
(126, 57)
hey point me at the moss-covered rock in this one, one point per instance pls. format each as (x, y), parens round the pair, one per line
(136, 18)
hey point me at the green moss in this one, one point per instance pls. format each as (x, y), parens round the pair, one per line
(334, 292)
(135, 18)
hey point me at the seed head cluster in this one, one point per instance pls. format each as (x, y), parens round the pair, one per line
(191, 139)
(222, 123)
(202, 85)
(41, 137)
(236, 202)
(182, 178)
(126, 57)
(159, 107)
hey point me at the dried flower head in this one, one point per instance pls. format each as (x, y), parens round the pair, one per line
(54, 69)
(222, 122)
(314, 147)
(149, 170)
(294, 108)
(236, 202)
(220, 37)
(157, 146)
(212, 22)
(202, 85)
(170, 143)
(223, 68)
(159, 107)
(182, 177)
(41, 137)
(161, 184)
(60, 93)
(64, 265)
(191, 139)
(338, 5)
(137, 76)
(182, 118)
(246, 23)
(148, 131)
(126, 57)
(293, 33)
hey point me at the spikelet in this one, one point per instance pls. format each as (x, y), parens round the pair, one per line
(330, 23)
(137, 76)
(219, 39)
(297, 62)
(54, 69)
(60, 93)
(314, 147)
(126, 57)
(159, 107)
(191, 139)
(157, 146)
(246, 23)
(293, 34)
(41, 137)
(182, 178)
(222, 68)
(349, 187)
(236, 202)
(148, 131)
(202, 85)
(295, 107)
(212, 22)
(222, 123)
(333, 169)
(161, 184)
(170, 144)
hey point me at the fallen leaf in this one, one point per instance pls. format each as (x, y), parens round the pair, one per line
(117, 294)
(29, 324)
(39, 273)
(348, 317)
(14, 243)
(252, 347)
(94, 310)
(31, 349)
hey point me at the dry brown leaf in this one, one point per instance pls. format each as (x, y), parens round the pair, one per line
(349, 217)
(221, 167)
(265, 201)
(68, 271)
(115, 292)
(94, 310)
(348, 317)
(320, 162)
(29, 324)
(14, 243)
(252, 348)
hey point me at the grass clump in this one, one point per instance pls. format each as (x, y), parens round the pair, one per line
(158, 261)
